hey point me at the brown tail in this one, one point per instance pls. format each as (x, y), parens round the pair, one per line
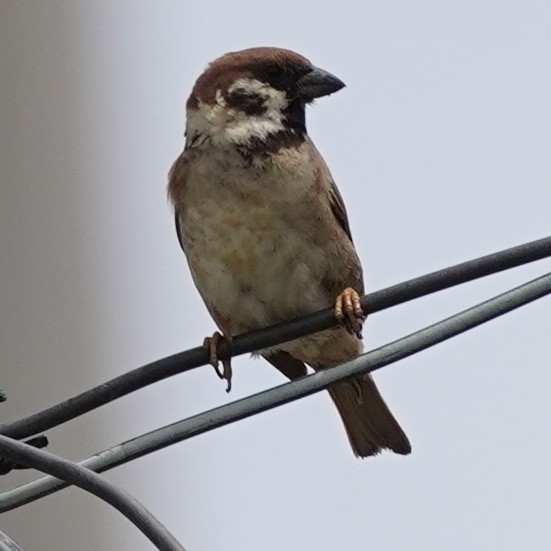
(369, 424)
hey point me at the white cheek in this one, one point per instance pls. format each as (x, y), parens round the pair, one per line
(220, 99)
(227, 126)
(276, 101)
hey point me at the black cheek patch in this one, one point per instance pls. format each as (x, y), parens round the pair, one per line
(249, 103)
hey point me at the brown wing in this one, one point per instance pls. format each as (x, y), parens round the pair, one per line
(349, 273)
(328, 184)
(177, 222)
(337, 207)
(177, 187)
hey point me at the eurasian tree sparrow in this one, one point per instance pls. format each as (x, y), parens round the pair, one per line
(264, 227)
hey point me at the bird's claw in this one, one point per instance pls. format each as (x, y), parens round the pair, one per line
(211, 345)
(348, 310)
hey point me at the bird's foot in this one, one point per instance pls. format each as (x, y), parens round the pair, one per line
(348, 310)
(211, 345)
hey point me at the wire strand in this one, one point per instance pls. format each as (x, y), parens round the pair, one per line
(75, 474)
(257, 403)
(7, 544)
(257, 340)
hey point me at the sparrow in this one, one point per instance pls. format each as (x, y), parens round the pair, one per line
(265, 230)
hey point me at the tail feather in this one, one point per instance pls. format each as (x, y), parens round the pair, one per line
(369, 423)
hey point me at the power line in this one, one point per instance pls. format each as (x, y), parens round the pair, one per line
(257, 403)
(257, 340)
(7, 544)
(95, 484)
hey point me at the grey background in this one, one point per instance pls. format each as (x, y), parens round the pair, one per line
(440, 146)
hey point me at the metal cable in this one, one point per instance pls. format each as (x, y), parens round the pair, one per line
(257, 340)
(240, 409)
(75, 474)
(7, 544)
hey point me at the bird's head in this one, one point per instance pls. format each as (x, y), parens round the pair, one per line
(255, 96)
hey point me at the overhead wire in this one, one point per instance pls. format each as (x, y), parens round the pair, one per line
(79, 476)
(268, 399)
(277, 334)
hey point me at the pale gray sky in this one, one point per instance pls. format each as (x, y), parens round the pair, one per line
(440, 145)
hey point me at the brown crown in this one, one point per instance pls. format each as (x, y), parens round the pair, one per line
(250, 63)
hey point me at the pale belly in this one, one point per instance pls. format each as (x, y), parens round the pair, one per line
(251, 268)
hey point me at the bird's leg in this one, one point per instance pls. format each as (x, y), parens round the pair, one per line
(348, 310)
(211, 345)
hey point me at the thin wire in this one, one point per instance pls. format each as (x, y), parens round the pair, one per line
(7, 544)
(66, 470)
(257, 403)
(257, 340)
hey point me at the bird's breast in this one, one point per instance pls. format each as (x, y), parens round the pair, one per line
(252, 242)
